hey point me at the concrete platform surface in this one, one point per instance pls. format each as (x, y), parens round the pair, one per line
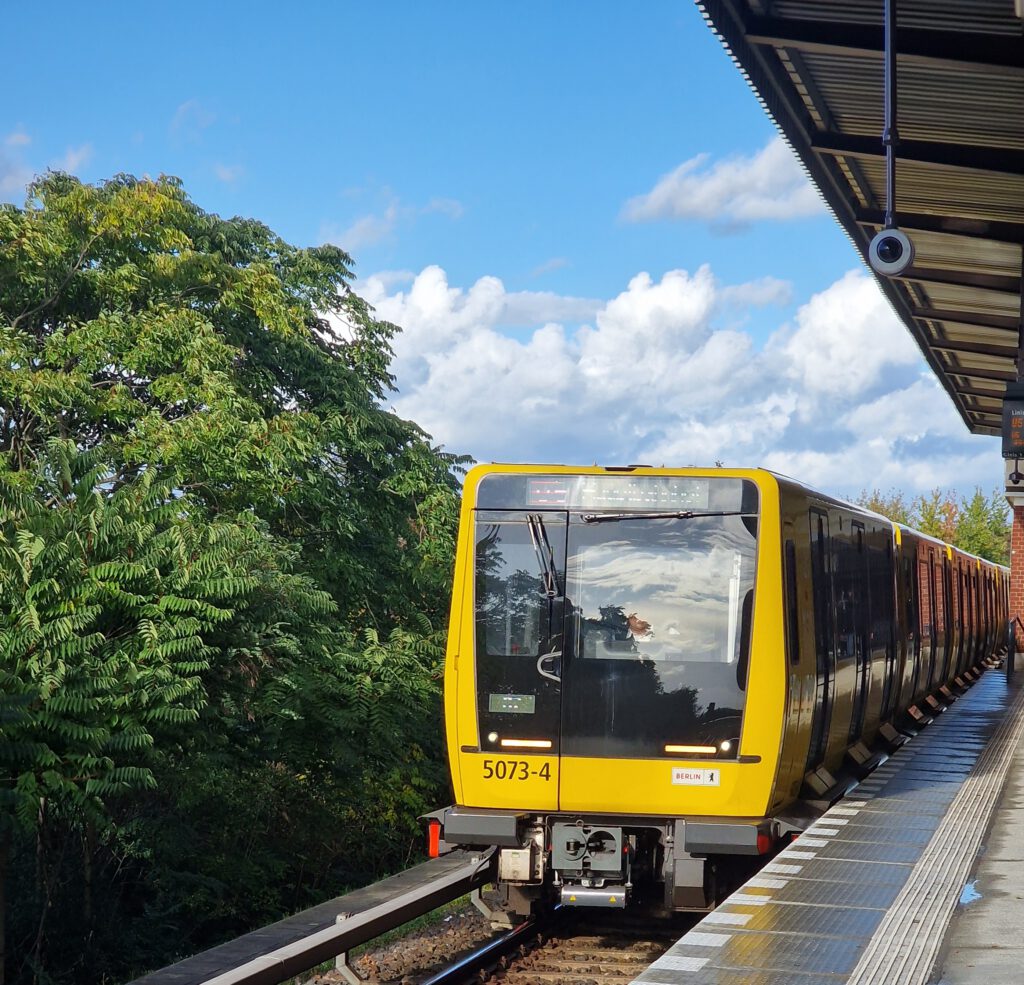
(867, 894)
(985, 941)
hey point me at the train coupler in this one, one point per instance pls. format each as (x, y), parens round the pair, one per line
(615, 897)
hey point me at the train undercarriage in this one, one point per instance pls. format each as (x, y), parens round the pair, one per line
(659, 864)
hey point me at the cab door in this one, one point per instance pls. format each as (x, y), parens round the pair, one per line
(519, 607)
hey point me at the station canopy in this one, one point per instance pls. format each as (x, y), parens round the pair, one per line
(817, 66)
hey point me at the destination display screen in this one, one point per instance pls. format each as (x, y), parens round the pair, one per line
(1013, 429)
(616, 493)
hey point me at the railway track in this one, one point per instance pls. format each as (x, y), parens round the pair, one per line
(566, 949)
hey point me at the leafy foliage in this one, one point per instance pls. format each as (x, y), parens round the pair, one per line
(105, 604)
(222, 562)
(977, 524)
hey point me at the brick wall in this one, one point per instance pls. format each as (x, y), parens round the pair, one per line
(1017, 570)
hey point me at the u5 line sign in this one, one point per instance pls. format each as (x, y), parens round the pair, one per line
(1013, 421)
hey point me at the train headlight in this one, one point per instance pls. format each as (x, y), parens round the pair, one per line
(725, 746)
(492, 736)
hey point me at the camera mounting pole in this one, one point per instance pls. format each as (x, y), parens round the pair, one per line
(890, 135)
(890, 252)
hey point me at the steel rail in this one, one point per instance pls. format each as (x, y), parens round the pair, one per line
(483, 957)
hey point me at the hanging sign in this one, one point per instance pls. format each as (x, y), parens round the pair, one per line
(1013, 421)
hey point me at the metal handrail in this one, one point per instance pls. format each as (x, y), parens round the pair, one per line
(254, 960)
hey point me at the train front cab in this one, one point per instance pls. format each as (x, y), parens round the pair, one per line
(615, 684)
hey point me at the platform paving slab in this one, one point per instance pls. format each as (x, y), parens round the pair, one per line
(866, 895)
(985, 941)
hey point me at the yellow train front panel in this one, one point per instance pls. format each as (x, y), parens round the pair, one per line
(617, 641)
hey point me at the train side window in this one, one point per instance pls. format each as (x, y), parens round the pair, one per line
(939, 585)
(746, 625)
(924, 597)
(792, 607)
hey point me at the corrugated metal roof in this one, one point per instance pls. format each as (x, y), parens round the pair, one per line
(817, 66)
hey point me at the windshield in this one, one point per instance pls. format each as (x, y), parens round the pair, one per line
(613, 615)
(660, 619)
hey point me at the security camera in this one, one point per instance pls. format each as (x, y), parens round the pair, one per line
(890, 252)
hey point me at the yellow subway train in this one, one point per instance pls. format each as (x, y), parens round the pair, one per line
(655, 675)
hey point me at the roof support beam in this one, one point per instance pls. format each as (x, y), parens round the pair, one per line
(971, 319)
(1000, 232)
(982, 374)
(977, 391)
(976, 348)
(995, 160)
(998, 283)
(938, 48)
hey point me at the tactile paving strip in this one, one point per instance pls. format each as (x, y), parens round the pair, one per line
(865, 895)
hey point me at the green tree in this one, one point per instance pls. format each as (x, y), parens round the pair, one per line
(983, 526)
(976, 524)
(892, 504)
(250, 635)
(133, 321)
(107, 599)
(937, 515)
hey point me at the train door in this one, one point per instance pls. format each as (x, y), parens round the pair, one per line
(824, 636)
(860, 594)
(940, 612)
(926, 613)
(990, 621)
(971, 622)
(519, 602)
(884, 592)
(911, 622)
(958, 616)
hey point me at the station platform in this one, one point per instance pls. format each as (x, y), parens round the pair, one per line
(916, 876)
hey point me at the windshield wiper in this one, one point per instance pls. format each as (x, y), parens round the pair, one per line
(677, 515)
(545, 556)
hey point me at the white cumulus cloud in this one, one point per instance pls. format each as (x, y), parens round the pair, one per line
(827, 351)
(731, 192)
(837, 397)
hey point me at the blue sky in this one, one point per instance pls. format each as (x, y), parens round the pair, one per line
(580, 214)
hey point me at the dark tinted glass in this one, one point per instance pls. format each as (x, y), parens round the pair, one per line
(518, 620)
(511, 604)
(660, 618)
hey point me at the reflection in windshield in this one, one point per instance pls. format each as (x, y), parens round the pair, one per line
(649, 645)
(511, 594)
(683, 588)
(520, 561)
(662, 612)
